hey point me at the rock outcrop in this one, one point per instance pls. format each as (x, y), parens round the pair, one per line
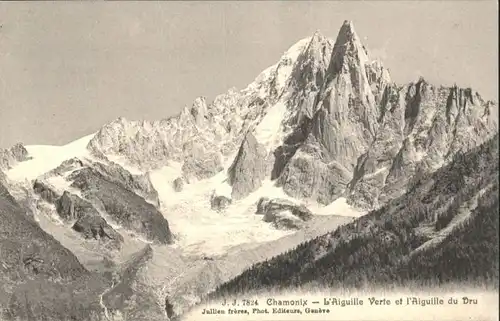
(219, 203)
(283, 220)
(139, 184)
(93, 226)
(65, 167)
(266, 205)
(283, 214)
(89, 222)
(201, 167)
(249, 168)
(10, 157)
(125, 207)
(178, 184)
(72, 207)
(46, 191)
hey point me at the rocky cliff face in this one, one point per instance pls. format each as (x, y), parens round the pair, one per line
(138, 184)
(422, 128)
(82, 190)
(248, 169)
(125, 207)
(40, 278)
(340, 126)
(88, 220)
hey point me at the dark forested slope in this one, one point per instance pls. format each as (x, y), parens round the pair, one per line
(39, 278)
(443, 230)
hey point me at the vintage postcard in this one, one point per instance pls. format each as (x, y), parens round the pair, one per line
(249, 160)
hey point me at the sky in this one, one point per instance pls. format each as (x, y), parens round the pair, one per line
(67, 68)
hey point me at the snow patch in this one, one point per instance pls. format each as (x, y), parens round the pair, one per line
(294, 51)
(288, 214)
(268, 130)
(123, 162)
(60, 184)
(48, 212)
(285, 67)
(280, 71)
(224, 189)
(375, 173)
(338, 207)
(46, 157)
(162, 180)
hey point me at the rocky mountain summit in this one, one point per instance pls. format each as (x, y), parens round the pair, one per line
(325, 122)
(13, 155)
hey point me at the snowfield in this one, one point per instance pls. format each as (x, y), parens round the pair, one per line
(198, 229)
(269, 132)
(46, 157)
(201, 230)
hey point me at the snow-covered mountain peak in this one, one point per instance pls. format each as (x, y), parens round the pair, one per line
(318, 48)
(271, 82)
(294, 51)
(315, 41)
(320, 108)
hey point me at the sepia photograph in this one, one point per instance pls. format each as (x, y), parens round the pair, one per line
(249, 160)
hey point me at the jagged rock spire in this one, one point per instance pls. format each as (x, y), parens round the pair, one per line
(347, 45)
(346, 34)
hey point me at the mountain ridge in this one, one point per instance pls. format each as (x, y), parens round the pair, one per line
(369, 80)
